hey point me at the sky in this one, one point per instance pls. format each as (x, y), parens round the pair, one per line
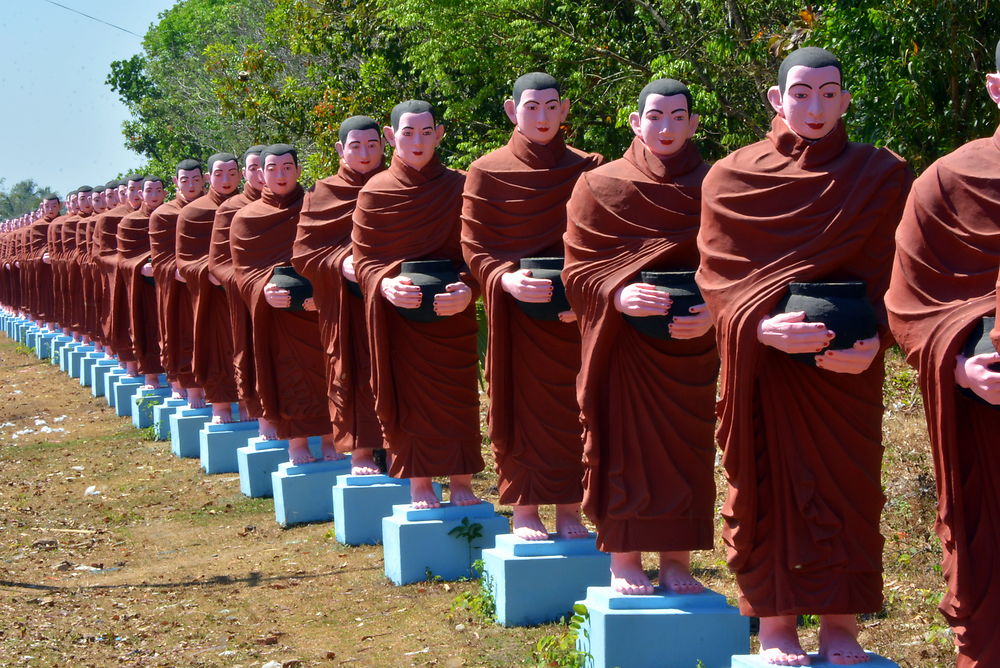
(60, 124)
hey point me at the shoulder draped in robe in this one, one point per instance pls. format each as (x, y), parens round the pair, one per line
(322, 241)
(648, 405)
(424, 375)
(288, 354)
(212, 360)
(802, 446)
(944, 280)
(514, 206)
(176, 317)
(133, 253)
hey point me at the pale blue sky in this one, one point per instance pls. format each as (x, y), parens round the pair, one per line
(60, 124)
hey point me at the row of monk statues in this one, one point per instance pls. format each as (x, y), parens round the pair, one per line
(639, 310)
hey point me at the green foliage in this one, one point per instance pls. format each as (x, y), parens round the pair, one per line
(23, 196)
(468, 531)
(561, 649)
(481, 603)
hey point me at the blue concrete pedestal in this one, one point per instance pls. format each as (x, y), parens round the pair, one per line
(161, 416)
(100, 372)
(67, 352)
(87, 367)
(642, 631)
(302, 492)
(756, 661)
(43, 345)
(360, 502)
(218, 444)
(143, 402)
(30, 335)
(124, 389)
(260, 458)
(58, 344)
(76, 357)
(538, 581)
(416, 543)
(185, 424)
(110, 379)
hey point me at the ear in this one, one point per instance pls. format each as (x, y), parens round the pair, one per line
(174, 179)
(845, 101)
(298, 172)
(511, 110)
(774, 97)
(693, 124)
(340, 148)
(438, 134)
(390, 135)
(993, 87)
(564, 110)
(635, 120)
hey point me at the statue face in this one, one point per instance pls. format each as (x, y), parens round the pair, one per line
(224, 177)
(152, 194)
(813, 101)
(50, 208)
(416, 139)
(84, 202)
(190, 183)
(133, 194)
(539, 114)
(71, 204)
(100, 203)
(111, 197)
(123, 194)
(252, 172)
(664, 124)
(363, 150)
(281, 174)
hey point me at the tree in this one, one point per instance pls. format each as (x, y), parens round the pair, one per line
(23, 196)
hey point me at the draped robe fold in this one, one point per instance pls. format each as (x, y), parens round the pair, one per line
(40, 286)
(648, 405)
(944, 280)
(802, 446)
(322, 241)
(424, 375)
(514, 206)
(133, 253)
(288, 354)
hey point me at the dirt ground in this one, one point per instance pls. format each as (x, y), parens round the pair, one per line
(165, 566)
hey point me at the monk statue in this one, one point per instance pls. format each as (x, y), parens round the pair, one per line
(424, 373)
(120, 311)
(647, 395)
(943, 286)
(105, 256)
(800, 420)
(221, 274)
(212, 359)
(288, 353)
(323, 254)
(514, 207)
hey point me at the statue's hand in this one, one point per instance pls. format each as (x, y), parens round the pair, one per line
(277, 297)
(642, 300)
(789, 333)
(347, 269)
(178, 276)
(309, 304)
(401, 292)
(46, 259)
(975, 374)
(852, 360)
(522, 287)
(567, 316)
(453, 301)
(691, 326)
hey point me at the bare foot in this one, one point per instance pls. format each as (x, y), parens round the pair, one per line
(152, 382)
(178, 391)
(675, 573)
(196, 397)
(528, 525)
(568, 523)
(267, 430)
(461, 491)
(838, 640)
(330, 453)
(298, 451)
(422, 493)
(627, 576)
(779, 642)
(363, 463)
(222, 413)
(132, 368)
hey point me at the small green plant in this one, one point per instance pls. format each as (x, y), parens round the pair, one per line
(561, 651)
(23, 349)
(809, 621)
(469, 531)
(481, 604)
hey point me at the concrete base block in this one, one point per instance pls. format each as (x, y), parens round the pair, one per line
(124, 389)
(417, 544)
(144, 401)
(302, 492)
(76, 357)
(218, 444)
(30, 335)
(260, 458)
(43, 345)
(110, 380)
(360, 502)
(87, 367)
(161, 417)
(67, 351)
(100, 372)
(756, 661)
(535, 582)
(58, 344)
(641, 631)
(185, 424)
